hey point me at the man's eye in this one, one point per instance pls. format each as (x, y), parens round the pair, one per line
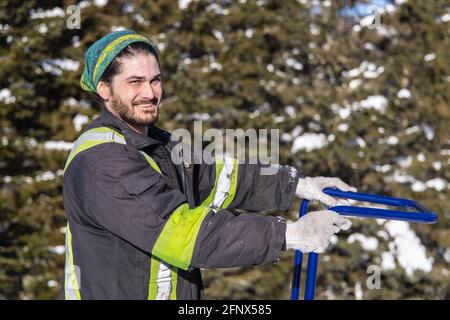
(135, 81)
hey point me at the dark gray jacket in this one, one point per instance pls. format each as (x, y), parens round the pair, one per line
(126, 218)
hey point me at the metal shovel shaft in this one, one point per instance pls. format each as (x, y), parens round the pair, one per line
(423, 215)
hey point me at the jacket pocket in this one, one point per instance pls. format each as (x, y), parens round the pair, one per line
(136, 184)
(153, 191)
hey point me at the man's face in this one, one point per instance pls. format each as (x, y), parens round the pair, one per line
(136, 91)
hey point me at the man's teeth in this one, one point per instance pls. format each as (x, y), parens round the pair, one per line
(144, 105)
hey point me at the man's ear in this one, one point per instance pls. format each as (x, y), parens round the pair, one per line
(103, 90)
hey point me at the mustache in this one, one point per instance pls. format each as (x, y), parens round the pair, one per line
(153, 101)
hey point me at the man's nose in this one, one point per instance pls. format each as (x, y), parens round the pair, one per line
(148, 91)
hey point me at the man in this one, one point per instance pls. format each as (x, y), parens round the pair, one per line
(141, 226)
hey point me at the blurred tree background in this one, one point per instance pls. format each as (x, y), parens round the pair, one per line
(358, 90)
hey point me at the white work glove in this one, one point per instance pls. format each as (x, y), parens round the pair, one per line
(311, 189)
(313, 231)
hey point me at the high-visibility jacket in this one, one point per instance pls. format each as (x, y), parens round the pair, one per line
(141, 227)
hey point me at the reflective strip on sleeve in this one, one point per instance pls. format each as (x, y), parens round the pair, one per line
(98, 136)
(225, 184)
(175, 244)
(173, 282)
(92, 138)
(71, 272)
(208, 201)
(163, 280)
(152, 286)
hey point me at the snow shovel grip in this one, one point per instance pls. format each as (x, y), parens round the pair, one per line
(421, 215)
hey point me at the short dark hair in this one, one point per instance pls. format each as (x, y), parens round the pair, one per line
(114, 67)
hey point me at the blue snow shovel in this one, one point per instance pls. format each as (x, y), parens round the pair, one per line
(420, 215)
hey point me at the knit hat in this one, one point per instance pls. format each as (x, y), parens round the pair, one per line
(100, 54)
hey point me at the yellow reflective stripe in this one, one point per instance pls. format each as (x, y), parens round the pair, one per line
(233, 185)
(110, 47)
(90, 143)
(173, 282)
(175, 244)
(73, 277)
(151, 162)
(152, 283)
(210, 198)
(84, 146)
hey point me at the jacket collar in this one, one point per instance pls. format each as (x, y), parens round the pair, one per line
(137, 140)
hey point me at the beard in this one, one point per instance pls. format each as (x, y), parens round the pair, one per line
(135, 115)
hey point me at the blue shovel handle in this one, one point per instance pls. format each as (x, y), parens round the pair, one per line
(421, 215)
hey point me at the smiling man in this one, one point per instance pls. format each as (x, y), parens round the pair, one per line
(136, 91)
(139, 225)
